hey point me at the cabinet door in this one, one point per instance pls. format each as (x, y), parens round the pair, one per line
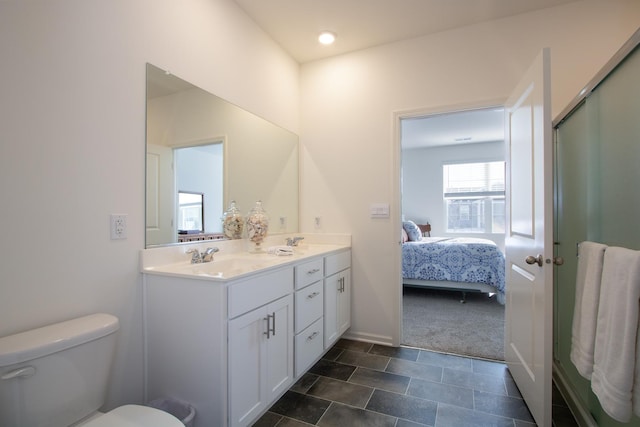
(260, 359)
(279, 345)
(331, 285)
(337, 306)
(344, 303)
(247, 366)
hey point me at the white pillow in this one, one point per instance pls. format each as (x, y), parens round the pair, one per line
(413, 231)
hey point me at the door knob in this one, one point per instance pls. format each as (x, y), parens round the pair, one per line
(534, 260)
(558, 260)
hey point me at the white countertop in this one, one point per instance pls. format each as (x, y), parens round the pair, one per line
(233, 260)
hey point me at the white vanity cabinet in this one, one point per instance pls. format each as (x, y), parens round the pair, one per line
(232, 347)
(337, 296)
(227, 349)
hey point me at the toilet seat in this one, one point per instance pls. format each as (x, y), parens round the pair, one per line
(135, 416)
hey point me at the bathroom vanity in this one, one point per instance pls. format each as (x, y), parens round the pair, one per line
(231, 336)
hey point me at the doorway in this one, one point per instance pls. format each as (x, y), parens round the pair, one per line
(447, 183)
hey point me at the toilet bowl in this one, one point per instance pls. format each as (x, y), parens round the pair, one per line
(57, 376)
(133, 416)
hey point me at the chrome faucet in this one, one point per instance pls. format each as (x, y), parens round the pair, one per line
(293, 241)
(206, 256)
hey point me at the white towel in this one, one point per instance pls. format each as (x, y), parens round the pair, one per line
(280, 250)
(585, 312)
(615, 345)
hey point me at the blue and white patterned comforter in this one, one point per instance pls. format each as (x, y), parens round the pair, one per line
(457, 259)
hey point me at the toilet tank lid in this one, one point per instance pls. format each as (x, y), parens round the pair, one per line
(49, 339)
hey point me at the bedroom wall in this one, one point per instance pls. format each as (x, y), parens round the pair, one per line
(422, 182)
(72, 145)
(350, 155)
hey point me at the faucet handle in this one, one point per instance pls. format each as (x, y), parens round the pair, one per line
(293, 241)
(196, 257)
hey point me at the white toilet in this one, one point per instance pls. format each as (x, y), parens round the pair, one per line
(57, 375)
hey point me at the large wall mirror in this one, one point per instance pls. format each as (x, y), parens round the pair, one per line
(198, 143)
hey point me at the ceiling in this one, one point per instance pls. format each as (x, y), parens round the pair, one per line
(465, 127)
(361, 24)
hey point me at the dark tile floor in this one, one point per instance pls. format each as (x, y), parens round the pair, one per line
(362, 384)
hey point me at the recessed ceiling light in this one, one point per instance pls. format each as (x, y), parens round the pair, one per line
(326, 37)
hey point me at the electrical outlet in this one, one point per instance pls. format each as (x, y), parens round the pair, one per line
(317, 222)
(118, 226)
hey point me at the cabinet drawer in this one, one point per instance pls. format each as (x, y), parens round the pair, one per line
(337, 262)
(309, 305)
(309, 272)
(309, 346)
(245, 295)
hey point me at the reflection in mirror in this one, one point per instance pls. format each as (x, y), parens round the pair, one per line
(199, 169)
(199, 143)
(190, 212)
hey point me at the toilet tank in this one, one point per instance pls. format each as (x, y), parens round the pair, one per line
(57, 374)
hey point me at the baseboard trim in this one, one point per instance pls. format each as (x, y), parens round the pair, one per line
(576, 406)
(371, 338)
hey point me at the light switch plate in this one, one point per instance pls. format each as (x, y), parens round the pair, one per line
(379, 210)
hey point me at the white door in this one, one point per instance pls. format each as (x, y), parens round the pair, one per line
(529, 239)
(161, 196)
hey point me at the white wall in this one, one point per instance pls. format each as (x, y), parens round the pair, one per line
(72, 144)
(422, 182)
(350, 154)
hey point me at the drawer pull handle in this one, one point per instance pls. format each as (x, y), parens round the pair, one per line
(313, 295)
(314, 271)
(313, 336)
(271, 330)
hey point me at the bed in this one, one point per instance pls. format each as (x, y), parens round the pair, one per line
(461, 263)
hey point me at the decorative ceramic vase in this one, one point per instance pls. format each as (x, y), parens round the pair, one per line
(232, 222)
(257, 226)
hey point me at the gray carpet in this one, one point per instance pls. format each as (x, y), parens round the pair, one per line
(436, 320)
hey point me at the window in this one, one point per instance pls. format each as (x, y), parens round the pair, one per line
(474, 197)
